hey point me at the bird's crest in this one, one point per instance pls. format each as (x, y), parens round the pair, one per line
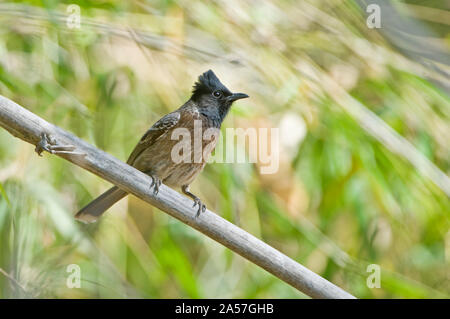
(208, 83)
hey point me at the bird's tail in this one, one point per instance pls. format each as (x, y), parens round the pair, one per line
(92, 211)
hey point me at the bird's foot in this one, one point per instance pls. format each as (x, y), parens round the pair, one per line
(197, 201)
(49, 144)
(156, 183)
(201, 206)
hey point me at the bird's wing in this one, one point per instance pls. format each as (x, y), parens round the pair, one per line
(159, 128)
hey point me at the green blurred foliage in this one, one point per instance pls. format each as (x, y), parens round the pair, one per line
(339, 202)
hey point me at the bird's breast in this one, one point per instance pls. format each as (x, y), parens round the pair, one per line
(181, 153)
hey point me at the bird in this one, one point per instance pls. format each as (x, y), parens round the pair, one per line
(208, 105)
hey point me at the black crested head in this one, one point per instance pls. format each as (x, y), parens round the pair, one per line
(212, 98)
(208, 83)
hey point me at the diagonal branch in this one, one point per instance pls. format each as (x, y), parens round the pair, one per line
(30, 127)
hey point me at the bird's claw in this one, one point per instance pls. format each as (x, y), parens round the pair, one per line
(49, 144)
(197, 201)
(201, 206)
(156, 182)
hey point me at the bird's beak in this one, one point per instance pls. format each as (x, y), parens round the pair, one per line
(237, 96)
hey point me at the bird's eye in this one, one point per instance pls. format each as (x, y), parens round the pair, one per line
(217, 94)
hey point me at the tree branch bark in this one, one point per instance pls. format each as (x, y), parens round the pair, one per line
(29, 127)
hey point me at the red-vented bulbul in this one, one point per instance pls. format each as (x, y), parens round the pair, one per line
(209, 104)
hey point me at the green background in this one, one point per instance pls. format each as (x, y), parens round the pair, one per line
(341, 200)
